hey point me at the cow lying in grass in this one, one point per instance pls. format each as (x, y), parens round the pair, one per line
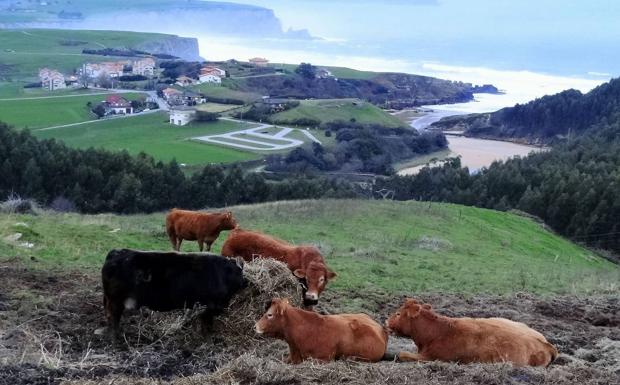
(323, 337)
(306, 262)
(168, 281)
(197, 226)
(467, 340)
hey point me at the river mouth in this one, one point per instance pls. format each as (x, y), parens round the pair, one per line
(475, 153)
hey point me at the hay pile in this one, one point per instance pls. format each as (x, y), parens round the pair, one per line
(267, 279)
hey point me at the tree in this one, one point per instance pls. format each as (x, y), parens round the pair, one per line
(104, 80)
(205, 116)
(306, 70)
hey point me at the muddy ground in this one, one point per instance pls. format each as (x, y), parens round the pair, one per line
(48, 319)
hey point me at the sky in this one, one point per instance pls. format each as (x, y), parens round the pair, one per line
(527, 47)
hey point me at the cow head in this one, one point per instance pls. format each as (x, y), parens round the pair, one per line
(315, 275)
(229, 222)
(272, 323)
(401, 322)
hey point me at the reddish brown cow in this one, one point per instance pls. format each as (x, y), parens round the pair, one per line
(306, 262)
(197, 226)
(323, 337)
(467, 340)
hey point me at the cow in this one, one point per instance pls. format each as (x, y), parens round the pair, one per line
(306, 262)
(468, 340)
(164, 281)
(323, 337)
(197, 226)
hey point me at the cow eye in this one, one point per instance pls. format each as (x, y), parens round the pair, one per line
(398, 314)
(269, 315)
(322, 279)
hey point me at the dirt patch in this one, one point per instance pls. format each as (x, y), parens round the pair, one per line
(48, 319)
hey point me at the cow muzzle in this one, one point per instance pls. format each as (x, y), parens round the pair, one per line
(312, 296)
(258, 329)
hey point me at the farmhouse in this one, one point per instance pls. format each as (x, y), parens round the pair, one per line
(185, 81)
(213, 70)
(181, 116)
(211, 75)
(51, 79)
(259, 62)
(111, 69)
(144, 67)
(116, 104)
(323, 73)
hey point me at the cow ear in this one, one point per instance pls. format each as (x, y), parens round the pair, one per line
(331, 275)
(228, 214)
(299, 273)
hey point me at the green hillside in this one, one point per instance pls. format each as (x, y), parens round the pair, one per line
(24, 52)
(154, 135)
(329, 110)
(374, 246)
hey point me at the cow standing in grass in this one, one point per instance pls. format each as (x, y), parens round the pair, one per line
(197, 226)
(323, 337)
(306, 262)
(468, 340)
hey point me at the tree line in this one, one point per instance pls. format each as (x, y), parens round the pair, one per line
(96, 180)
(574, 188)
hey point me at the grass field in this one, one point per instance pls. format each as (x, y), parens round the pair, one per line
(329, 110)
(223, 91)
(153, 135)
(52, 111)
(375, 247)
(338, 72)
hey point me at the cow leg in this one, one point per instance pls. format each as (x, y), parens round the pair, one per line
(408, 357)
(201, 244)
(173, 240)
(206, 322)
(294, 356)
(209, 245)
(113, 313)
(179, 240)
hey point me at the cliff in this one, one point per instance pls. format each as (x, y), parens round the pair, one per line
(185, 48)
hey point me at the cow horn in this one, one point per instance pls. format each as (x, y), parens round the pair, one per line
(239, 262)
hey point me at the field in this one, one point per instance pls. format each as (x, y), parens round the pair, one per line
(52, 111)
(465, 261)
(224, 91)
(153, 135)
(329, 110)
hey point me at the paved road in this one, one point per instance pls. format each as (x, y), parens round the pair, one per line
(98, 120)
(269, 142)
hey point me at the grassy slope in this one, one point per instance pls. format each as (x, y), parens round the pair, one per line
(226, 90)
(374, 246)
(154, 135)
(329, 110)
(53, 111)
(24, 52)
(338, 72)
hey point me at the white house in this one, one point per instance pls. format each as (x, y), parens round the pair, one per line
(144, 67)
(51, 79)
(116, 104)
(180, 116)
(213, 70)
(210, 78)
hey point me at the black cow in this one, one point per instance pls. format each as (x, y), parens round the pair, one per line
(168, 281)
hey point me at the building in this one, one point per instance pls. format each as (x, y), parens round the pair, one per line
(181, 116)
(323, 73)
(173, 96)
(116, 104)
(51, 79)
(185, 81)
(111, 69)
(259, 62)
(144, 67)
(213, 70)
(209, 78)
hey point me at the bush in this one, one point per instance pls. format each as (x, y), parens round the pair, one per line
(132, 78)
(14, 204)
(63, 205)
(205, 116)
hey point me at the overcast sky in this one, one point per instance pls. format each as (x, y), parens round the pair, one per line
(584, 20)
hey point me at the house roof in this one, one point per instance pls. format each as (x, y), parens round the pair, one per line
(117, 100)
(183, 78)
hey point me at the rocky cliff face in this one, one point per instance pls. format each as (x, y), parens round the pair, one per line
(185, 48)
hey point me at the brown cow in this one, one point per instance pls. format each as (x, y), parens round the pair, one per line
(306, 262)
(467, 340)
(197, 226)
(323, 337)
